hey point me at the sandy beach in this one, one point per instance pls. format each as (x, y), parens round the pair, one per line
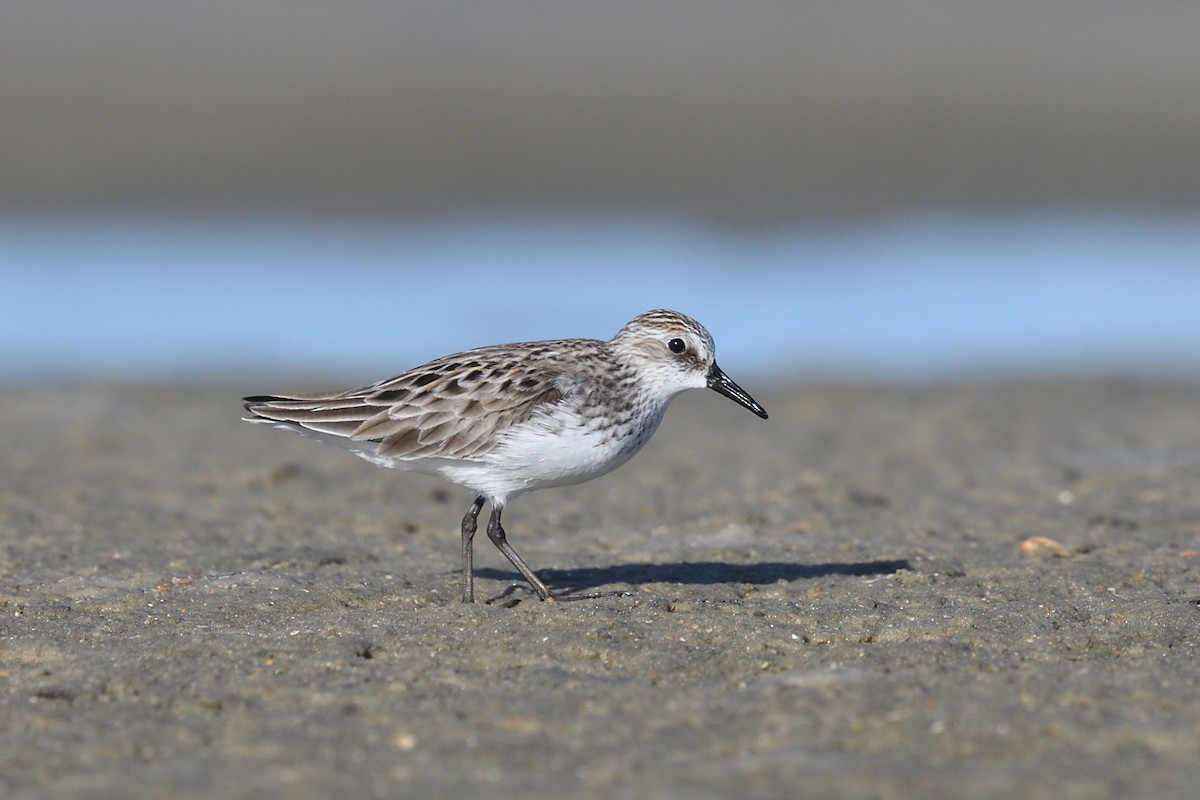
(920, 589)
(831, 603)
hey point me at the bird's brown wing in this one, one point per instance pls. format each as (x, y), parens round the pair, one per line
(453, 407)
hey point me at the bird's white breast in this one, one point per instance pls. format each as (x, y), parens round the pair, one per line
(554, 449)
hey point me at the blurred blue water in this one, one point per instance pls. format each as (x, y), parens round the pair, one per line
(163, 298)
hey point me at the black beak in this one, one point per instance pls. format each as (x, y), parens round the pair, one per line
(719, 382)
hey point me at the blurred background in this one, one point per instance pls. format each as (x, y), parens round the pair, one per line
(907, 190)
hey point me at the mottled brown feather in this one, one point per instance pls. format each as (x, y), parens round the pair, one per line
(452, 407)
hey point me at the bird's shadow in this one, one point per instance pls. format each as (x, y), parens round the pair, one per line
(572, 581)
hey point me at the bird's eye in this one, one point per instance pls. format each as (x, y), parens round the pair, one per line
(676, 346)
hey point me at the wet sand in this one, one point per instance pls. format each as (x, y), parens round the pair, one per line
(831, 603)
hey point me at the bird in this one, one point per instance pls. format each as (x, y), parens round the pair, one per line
(508, 419)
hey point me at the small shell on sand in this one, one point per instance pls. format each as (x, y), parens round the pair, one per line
(1043, 547)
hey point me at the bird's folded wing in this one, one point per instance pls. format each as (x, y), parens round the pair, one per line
(456, 407)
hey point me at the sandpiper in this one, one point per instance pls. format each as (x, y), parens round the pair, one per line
(508, 419)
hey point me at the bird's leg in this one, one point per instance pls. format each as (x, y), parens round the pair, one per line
(496, 533)
(469, 523)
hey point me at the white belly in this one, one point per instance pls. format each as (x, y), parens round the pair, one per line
(550, 452)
